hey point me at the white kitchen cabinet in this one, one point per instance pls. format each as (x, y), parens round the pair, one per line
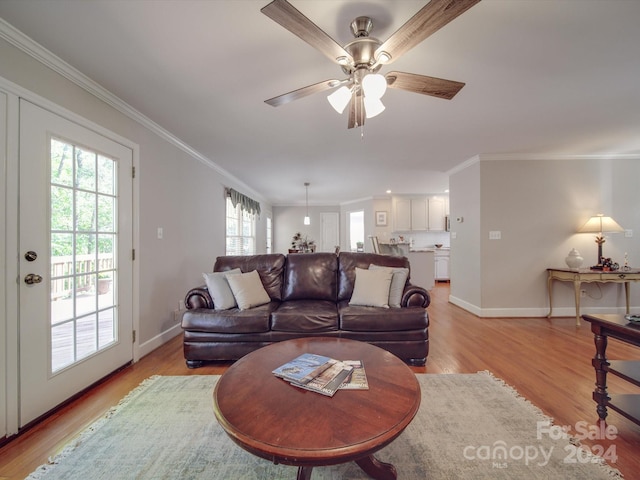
(437, 213)
(419, 213)
(441, 260)
(401, 214)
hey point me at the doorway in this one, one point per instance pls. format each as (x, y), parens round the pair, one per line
(75, 259)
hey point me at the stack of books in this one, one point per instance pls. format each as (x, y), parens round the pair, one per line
(322, 374)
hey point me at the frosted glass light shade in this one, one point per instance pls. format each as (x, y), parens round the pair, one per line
(373, 107)
(340, 99)
(374, 85)
(307, 220)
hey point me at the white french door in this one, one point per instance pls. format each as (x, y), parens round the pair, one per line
(76, 269)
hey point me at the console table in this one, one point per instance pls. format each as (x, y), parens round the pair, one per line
(586, 275)
(603, 328)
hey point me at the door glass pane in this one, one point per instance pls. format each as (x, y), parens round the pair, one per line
(85, 169)
(105, 214)
(83, 245)
(61, 163)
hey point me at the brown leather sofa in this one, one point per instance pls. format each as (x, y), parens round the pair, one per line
(309, 295)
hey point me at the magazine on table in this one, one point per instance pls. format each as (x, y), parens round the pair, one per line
(328, 382)
(357, 379)
(303, 368)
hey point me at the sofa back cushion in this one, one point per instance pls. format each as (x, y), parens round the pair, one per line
(310, 276)
(348, 261)
(269, 267)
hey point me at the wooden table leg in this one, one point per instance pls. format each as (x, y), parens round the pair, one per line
(599, 362)
(626, 292)
(576, 287)
(377, 469)
(304, 473)
(549, 291)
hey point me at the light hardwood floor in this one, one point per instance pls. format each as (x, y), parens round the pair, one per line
(546, 361)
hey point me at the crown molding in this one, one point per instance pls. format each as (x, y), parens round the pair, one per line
(27, 45)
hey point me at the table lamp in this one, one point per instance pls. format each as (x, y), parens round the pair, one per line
(600, 224)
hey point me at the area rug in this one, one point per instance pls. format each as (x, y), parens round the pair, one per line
(469, 426)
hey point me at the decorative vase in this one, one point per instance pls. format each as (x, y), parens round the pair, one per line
(574, 260)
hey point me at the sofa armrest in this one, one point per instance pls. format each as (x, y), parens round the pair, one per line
(415, 296)
(198, 298)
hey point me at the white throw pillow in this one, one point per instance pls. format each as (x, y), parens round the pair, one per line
(219, 289)
(371, 288)
(398, 282)
(248, 290)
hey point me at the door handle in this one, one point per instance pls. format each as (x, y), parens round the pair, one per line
(32, 278)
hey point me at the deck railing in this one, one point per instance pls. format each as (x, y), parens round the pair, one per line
(63, 273)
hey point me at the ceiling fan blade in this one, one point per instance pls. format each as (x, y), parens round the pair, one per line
(302, 92)
(356, 111)
(436, 87)
(282, 12)
(429, 19)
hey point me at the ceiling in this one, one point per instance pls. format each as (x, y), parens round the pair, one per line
(543, 78)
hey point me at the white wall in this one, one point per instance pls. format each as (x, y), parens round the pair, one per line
(287, 221)
(176, 191)
(465, 262)
(538, 205)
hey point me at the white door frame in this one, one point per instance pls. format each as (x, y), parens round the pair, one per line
(9, 316)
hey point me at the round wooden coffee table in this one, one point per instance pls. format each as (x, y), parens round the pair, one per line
(274, 420)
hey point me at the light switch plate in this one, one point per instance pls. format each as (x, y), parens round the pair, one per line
(628, 233)
(495, 235)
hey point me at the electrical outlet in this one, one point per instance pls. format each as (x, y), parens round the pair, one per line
(583, 293)
(160, 233)
(628, 233)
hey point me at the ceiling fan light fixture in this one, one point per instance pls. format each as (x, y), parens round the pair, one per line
(307, 219)
(373, 106)
(342, 61)
(383, 57)
(340, 98)
(374, 85)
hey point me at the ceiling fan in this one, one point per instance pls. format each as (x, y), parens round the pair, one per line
(363, 57)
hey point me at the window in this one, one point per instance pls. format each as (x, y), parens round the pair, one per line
(269, 235)
(356, 231)
(241, 228)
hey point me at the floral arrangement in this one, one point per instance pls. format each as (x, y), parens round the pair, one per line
(302, 243)
(608, 264)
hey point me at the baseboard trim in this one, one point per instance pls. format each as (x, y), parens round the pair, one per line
(159, 340)
(533, 311)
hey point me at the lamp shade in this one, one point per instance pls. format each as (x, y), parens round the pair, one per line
(340, 99)
(374, 85)
(373, 107)
(600, 224)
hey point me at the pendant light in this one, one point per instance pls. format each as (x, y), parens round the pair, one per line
(307, 220)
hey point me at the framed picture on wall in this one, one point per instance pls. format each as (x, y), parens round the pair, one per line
(381, 219)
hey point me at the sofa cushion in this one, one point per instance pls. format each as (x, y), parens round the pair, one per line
(372, 288)
(219, 289)
(348, 261)
(248, 290)
(256, 320)
(310, 276)
(269, 267)
(305, 316)
(398, 282)
(376, 319)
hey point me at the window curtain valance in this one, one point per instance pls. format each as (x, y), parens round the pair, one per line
(247, 204)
